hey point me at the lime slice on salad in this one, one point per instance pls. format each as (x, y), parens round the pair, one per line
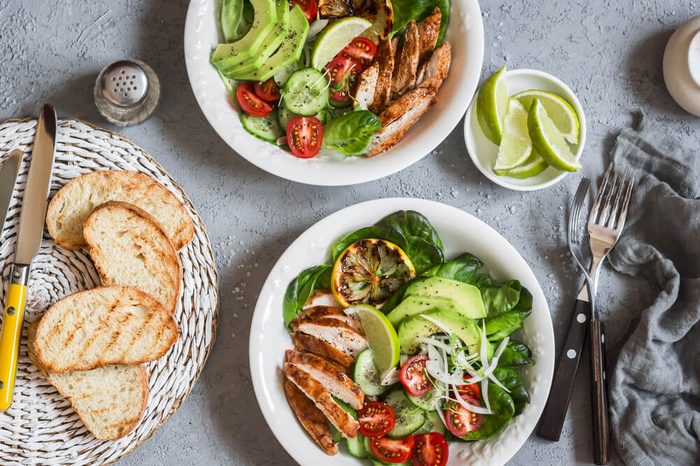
(548, 141)
(533, 166)
(492, 105)
(335, 37)
(381, 336)
(515, 146)
(559, 110)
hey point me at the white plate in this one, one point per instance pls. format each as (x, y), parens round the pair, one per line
(466, 33)
(483, 152)
(460, 232)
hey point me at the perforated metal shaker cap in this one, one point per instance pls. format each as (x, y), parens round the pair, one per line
(127, 92)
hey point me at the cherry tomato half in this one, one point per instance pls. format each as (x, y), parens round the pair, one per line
(376, 419)
(251, 103)
(309, 7)
(413, 377)
(391, 450)
(304, 136)
(342, 74)
(268, 91)
(459, 420)
(430, 450)
(362, 50)
(470, 393)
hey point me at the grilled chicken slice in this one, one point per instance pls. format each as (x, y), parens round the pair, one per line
(404, 104)
(385, 58)
(310, 417)
(334, 332)
(321, 298)
(437, 68)
(366, 87)
(406, 67)
(312, 388)
(311, 344)
(397, 129)
(330, 375)
(428, 31)
(328, 312)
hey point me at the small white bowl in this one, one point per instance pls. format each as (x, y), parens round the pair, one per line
(483, 152)
(682, 66)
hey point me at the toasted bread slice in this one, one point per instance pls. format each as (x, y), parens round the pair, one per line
(71, 206)
(129, 248)
(310, 417)
(109, 400)
(102, 327)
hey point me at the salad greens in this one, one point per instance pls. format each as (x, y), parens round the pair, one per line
(301, 288)
(503, 408)
(406, 11)
(350, 133)
(236, 18)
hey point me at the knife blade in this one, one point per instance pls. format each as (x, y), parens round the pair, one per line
(8, 176)
(31, 230)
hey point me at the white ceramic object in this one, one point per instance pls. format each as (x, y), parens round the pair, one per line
(466, 34)
(483, 152)
(460, 232)
(682, 66)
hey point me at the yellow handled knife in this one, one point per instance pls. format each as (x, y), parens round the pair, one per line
(31, 229)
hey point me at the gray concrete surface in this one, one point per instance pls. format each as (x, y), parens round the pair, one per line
(609, 52)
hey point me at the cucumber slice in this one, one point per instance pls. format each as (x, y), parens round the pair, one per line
(366, 374)
(285, 115)
(265, 128)
(335, 433)
(356, 447)
(306, 92)
(409, 418)
(427, 402)
(433, 423)
(346, 407)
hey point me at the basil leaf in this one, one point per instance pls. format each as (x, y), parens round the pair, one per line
(236, 19)
(513, 381)
(300, 289)
(350, 133)
(515, 354)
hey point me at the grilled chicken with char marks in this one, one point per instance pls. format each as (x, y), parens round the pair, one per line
(385, 59)
(334, 332)
(327, 312)
(310, 417)
(429, 31)
(366, 87)
(321, 298)
(330, 375)
(311, 344)
(406, 67)
(437, 68)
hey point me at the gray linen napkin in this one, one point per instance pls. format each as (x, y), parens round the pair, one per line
(655, 385)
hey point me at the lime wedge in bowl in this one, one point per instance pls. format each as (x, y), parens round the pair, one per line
(515, 146)
(335, 37)
(381, 336)
(492, 105)
(548, 141)
(533, 166)
(559, 110)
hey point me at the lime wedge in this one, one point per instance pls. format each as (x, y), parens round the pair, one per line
(492, 105)
(534, 165)
(559, 110)
(515, 146)
(548, 141)
(381, 336)
(335, 37)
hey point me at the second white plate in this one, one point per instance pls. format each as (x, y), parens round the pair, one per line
(460, 232)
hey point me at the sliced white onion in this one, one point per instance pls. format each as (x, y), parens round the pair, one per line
(473, 408)
(316, 27)
(391, 377)
(485, 393)
(432, 341)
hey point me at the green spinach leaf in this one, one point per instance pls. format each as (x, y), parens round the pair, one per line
(350, 133)
(407, 10)
(515, 354)
(514, 383)
(376, 232)
(499, 299)
(465, 268)
(300, 289)
(503, 409)
(412, 224)
(502, 325)
(236, 18)
(423, 254)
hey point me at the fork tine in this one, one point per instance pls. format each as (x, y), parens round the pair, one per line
(576, 205)
(599, 196)
(605, 215)
(615, 210)
(625, 205)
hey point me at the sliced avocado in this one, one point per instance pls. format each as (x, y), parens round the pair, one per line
(413, 305)
(467, 297)
(229, 55)
(272, 42)
(289, 51)
(414, 328)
